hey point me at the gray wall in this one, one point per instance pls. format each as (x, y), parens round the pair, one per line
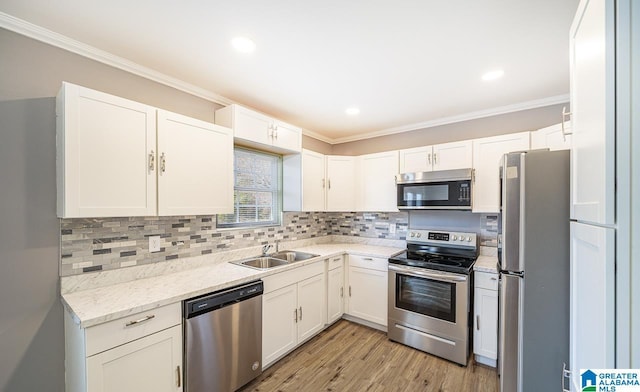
(31, 324)
(526, 120)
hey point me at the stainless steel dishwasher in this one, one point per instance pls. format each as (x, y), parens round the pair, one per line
(223, 339)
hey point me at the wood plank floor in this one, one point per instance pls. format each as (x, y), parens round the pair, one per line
(352, 357)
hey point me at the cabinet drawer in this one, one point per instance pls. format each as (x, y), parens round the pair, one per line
(335, 262)
(486, 280)
(116, 332)
(374, 263)
(286, 278)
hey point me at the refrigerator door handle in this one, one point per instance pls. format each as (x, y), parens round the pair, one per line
(509, 349)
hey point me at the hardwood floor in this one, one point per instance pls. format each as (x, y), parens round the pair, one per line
(352, 357)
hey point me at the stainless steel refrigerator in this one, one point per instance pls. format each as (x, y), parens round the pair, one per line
(534, 271)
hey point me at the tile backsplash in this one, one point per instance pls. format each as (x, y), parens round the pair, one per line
(100, 244)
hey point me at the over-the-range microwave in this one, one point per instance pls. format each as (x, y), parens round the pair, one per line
(437, 190)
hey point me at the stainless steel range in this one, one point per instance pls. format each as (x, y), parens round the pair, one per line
(430, 293)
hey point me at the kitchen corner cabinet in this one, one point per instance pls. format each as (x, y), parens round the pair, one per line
(260, 131)
(335, 288)
(446, 156)
(487, 153)
(376, 174)
(293, 310)
(117, 157)
(485, 310)
(368, 282)
(553, 137)
(142, 352)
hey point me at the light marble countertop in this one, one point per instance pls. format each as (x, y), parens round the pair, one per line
(486, 264)
(98, 305)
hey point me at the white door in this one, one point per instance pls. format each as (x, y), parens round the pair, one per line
(279, 332)
(419, 159)
(313, 181)
(450, 156)
(195, 166)
(335, 294)
(286, 137)
(152, 363)
(377, 181)
(592, 342)
(106, 155)
(552, 138)
(485, 332)
(592, 60)
(341, 186)
(487, 153)
(251, 126)
(311, 306)
(368, 294)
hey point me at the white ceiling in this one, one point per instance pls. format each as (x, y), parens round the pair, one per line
(401, 62)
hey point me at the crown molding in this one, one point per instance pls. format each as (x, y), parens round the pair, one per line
(49, 37)
(538, 103)
(318, 136)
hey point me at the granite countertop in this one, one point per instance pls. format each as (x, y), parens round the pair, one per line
(486, 264)
(94, 306)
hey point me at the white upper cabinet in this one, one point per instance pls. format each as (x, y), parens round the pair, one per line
(592, 62)
(555, 137)
(377, 186)
(446, 156)
(341, 187)
(260, 131)
(115, 158)
(106, 151)
(313, 181)
(195, 172)
(487, 153)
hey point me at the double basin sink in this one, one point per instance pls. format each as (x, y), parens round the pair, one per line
(275, 259)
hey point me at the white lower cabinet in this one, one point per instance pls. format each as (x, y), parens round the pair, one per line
(335, 289)
(368, 288)
(485, 320)
(293, 310)
(141, 352)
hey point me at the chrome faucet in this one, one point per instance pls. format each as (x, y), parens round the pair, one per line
(265, 249)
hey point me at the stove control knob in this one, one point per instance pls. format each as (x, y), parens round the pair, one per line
(455, 237)
(468, 239)
(413, 234)
(418, 235)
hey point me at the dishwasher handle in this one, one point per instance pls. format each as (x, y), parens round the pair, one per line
(219, 299)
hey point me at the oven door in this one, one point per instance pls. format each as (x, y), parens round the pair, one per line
(433, 301)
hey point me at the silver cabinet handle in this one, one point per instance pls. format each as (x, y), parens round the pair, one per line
(435, 158)
(566, 375)
(341, 292)
(152, 161)
(367, 258)
(429, 158)
(178, 376)
(349, 291)
(565, 114)
(323, 181)
(163, 162)
(301, 313)
(295, 315)
(478, 322)
(138, 321)
(275, 132)
(329, 183)
(494, 278)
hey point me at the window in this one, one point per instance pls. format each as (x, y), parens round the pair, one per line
(256, 196)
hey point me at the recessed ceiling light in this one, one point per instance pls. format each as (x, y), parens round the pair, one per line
(352, 111)
(493, 75)
(243, 44)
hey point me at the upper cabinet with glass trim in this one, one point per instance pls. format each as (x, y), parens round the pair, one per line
(259, 131)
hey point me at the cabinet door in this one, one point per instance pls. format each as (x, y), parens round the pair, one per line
(335, 294)
(487, 153)
(286, 137)
(195, 166)
(450, 156)
(251, 126)
(341, 187)
(592, 62)
(105, 147)
(313, 181)
(418, 159)
(551, 138)
(368, 294)
(377, 178)
(311, 307)
(485, 332)
(592, 341)
(152, 363)
(279, 332)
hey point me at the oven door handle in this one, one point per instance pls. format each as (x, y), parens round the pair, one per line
(422, 273)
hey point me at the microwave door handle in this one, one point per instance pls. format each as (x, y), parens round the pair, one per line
(421, 273)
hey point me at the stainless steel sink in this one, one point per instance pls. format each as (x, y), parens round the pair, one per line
(292, 256)
(261, 262)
